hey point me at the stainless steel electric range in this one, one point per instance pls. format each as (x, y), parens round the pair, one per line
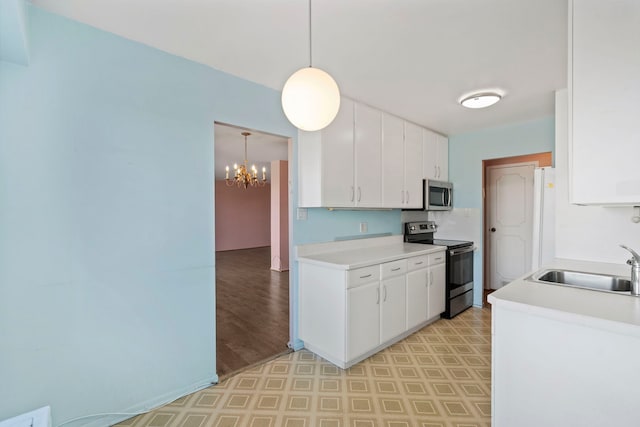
(459, 294)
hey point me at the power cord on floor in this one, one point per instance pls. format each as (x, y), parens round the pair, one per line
(133, 414)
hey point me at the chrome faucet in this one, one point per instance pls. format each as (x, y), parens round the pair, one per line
(634, 262)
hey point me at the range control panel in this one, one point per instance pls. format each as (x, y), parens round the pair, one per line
(420, 227)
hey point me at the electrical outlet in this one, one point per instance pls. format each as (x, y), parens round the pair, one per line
(301, 214)
(38, 418)
(364, 227)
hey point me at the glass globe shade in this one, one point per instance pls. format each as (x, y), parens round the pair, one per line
(310, 99)
(481, 100)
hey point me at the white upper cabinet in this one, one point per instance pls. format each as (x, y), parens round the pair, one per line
(443, 157)
(393, 161)
(365, 159)
(412, 165)
(393, 164)
(337, 180)
(339, 166)
(368, 150)
(435, 155)
(401, 163)
(604, 81)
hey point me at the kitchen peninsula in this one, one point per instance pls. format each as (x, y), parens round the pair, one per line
(360, 296)
(564, 356)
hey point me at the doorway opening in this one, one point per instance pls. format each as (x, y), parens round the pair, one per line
(507, 189)
(252, 249)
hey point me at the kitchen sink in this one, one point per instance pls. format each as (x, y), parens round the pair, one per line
(597, 282)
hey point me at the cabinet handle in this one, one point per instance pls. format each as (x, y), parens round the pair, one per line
(430, 278)
(435, 171)
(437, 259)
(419, 263)
(378, 296)
(359, 193)
(395, 269)
(364, 277)
(352, 194)
(385, 293)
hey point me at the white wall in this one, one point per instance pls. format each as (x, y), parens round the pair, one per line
(590, 233)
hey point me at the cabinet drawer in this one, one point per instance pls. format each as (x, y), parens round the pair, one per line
(394, 268)
(437, 258)
(418, 262)
(363, 275)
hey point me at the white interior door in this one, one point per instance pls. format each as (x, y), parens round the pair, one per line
(509, 222)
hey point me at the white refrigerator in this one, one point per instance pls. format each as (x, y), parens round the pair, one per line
(544, 195)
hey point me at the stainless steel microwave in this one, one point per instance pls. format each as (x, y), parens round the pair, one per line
(438, 195)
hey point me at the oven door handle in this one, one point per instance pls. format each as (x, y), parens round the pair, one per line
(460, 251)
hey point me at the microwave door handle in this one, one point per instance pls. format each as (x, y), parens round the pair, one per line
(444, 203)
(449, 198)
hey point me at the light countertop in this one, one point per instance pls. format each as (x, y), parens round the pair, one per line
(618, 313)
(348, 255)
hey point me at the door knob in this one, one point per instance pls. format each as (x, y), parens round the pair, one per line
(493, 229)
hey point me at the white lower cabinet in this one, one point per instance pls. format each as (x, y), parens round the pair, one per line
(393, 294)
(348, 315)
(417, 296)
(437, 289)
(426, 288)
(363, 319)
(417, 290)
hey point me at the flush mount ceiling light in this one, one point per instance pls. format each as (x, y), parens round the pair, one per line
(480, 100)
(310, 97)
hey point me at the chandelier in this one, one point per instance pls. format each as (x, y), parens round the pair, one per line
(242, 176)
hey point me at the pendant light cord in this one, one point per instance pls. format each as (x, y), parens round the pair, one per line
(310, 48)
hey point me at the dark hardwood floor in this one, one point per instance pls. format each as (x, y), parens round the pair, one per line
(252, 309)
(485, 301)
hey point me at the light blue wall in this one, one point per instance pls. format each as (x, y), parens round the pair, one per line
(466, 153)
(106, 220)
(14, 33)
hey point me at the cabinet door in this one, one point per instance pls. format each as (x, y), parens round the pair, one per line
(604, 137)
(337, 159)
(417, 293)
(429, 154)
(393, 307)
(392, 162)
(442, 163)
(412, 165)
(368, 149)
(363, 319)
(437, 290)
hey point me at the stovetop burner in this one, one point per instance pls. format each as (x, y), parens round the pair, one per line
(422, 232)
(450, 244)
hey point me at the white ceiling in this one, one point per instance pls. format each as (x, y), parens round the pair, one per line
(413, 58)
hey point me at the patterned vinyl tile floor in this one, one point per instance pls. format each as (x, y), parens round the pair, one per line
(439, 376)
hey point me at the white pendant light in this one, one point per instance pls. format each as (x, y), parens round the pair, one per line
(310, 97)
(480, 100)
